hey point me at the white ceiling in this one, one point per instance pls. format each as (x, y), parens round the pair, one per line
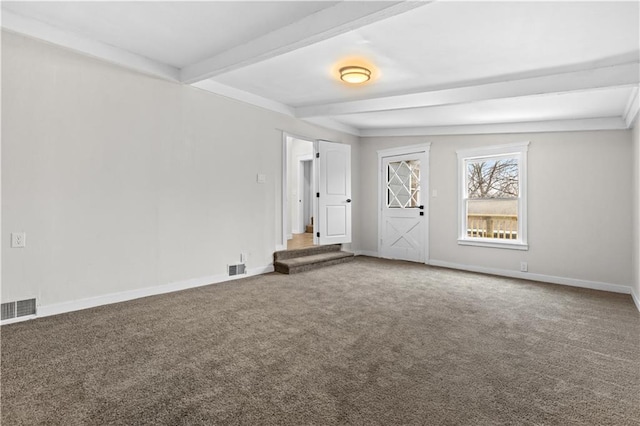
(174, 33)
(438, 67)
(444, 44)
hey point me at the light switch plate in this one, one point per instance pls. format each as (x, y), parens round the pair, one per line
(262, 178)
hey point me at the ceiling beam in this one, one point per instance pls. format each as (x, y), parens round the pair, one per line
(587, 124)
(330, 123)
(37, 29)
(324, 24)
(268, 104)
(623, 75)
(633, 106)
(242, 96)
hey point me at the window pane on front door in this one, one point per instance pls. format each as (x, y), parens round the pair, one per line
(403, 184)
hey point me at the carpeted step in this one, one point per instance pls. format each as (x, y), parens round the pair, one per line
(305, 263)
(309, 251)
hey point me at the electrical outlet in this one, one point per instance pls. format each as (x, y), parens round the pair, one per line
(524, 267)
(18, 239)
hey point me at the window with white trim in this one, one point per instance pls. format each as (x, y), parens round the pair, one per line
(493, 196)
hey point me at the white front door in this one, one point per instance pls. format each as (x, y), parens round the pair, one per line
(334, 190)
(403, 210)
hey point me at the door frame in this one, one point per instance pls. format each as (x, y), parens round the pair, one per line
(284, 205)
(424, 149)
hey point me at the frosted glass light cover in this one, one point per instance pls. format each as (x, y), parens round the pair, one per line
(355, 75)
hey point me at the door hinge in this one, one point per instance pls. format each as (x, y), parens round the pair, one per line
(318, 234)
(317, 194)
(317, 155)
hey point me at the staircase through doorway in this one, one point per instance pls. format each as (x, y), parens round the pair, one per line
(300, 241)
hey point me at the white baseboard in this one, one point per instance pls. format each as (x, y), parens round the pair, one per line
(365, 253)
(17, 319)
(594, 285)
(636, 298)
(107, 299)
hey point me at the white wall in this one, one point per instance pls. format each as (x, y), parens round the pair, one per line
(579, 204)
(635, 185)
(123, 181)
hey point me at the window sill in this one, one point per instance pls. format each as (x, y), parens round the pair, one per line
(478, 242)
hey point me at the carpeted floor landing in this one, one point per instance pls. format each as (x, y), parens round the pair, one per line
(365, 343)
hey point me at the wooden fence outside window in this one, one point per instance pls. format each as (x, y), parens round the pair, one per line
(501, 226)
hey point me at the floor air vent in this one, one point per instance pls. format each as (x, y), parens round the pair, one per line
(238, 269)
(20, 308)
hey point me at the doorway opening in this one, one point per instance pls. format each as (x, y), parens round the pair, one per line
(316, 193)
(299, 172)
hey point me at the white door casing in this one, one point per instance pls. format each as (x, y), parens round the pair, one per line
(287, 215)
(334, 189)
(403, 203)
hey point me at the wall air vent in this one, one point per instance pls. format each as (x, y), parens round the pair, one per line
(8, 310)
(20, 308)
(26, 307)
(237, 269)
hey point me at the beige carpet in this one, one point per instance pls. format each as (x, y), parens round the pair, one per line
(365, 343)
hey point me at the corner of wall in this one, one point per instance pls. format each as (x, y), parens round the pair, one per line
(636, 298)
(635, 188)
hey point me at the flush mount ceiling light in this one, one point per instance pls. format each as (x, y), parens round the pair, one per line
(354, 74)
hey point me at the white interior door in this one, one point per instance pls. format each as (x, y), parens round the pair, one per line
(403, 207)
(334, 189)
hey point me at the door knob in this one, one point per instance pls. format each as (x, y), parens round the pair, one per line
(348, 200)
